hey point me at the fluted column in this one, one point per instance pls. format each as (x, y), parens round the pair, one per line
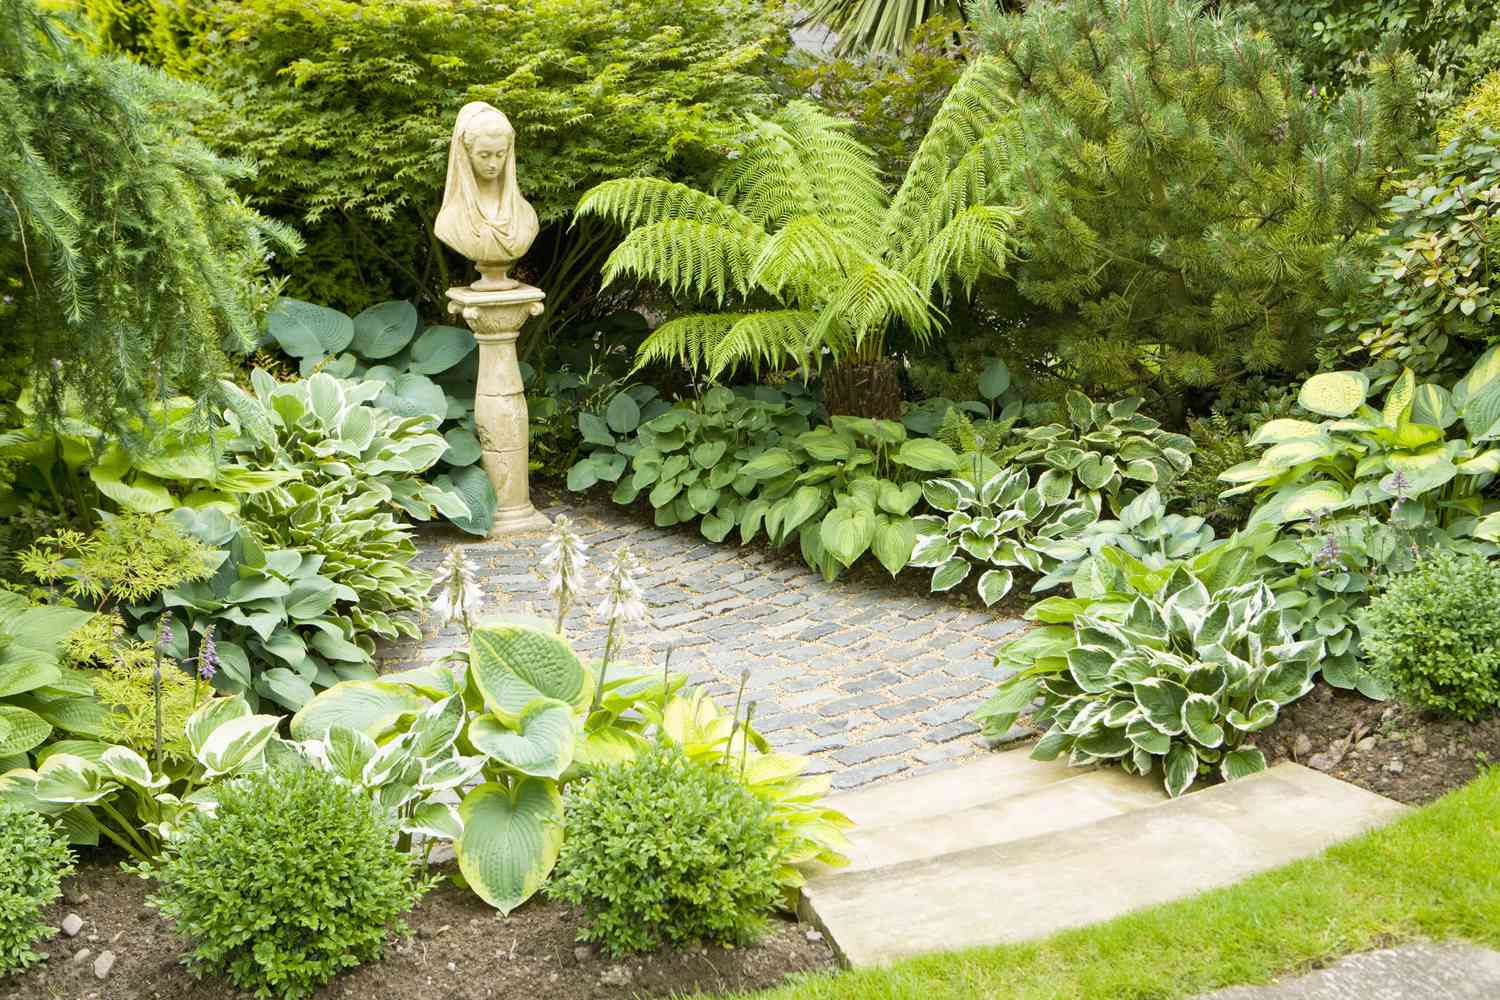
(499, 403)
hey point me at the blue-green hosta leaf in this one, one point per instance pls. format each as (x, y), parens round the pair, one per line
(541, 745)
(1242, 762)
(439, 348)
(1180, 769)
(305, 330)
(623, 414)
(371, 707)
(950, 574)
(516, 661)
(1161, 703)
(473, 486)
(383, 330)
(510, 840)
(1199, 715)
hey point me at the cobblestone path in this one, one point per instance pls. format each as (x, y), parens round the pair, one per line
(868, 679)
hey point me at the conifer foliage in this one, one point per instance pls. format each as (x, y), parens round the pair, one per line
(801, 248)
(1188, 203)
(133, 257)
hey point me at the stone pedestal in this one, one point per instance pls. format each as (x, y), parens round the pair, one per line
(496, 317)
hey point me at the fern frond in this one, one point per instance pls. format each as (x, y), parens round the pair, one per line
(768, 180)
(976, 112)
(686, 340)
(776, 339)
(867, 303)
(688, 256)
(806, 255)
(975, 242)
(849, 193)
(630, 202)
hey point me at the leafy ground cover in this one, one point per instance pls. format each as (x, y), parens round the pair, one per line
(1433, 874)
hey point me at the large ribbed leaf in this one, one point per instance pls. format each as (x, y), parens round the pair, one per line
(368, 706)
(516, 661)
(305, 330)
(540, 745)
(510, 840)
(383, 330)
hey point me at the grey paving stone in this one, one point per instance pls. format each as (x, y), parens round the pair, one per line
(871, 680)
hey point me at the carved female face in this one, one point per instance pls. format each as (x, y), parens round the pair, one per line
(487, 153)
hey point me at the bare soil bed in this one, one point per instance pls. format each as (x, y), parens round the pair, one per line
(1389, 748)
(460, 949)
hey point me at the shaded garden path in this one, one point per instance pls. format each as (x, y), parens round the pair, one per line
(867, 677)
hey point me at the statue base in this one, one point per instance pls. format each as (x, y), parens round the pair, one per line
(500, 418)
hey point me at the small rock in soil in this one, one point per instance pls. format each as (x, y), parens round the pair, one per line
(72, 894)
(1395, 767)
(81, 955)
(103, 964)
(616, 975)
(814, 936)
(1302, 746)
(72, 924)
(1419, 744)
(582, 953)
(1368, 743)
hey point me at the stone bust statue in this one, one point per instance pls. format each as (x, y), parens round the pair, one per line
(484, 217)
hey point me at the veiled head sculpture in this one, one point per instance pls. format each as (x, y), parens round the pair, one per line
(484, 217)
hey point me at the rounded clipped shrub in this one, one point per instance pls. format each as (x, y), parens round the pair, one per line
(666, 851)
(1434, 635)
(34, 857)
(292, 880)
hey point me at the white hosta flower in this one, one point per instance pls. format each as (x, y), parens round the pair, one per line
(457, 595)
(623, 601)
(564, 562)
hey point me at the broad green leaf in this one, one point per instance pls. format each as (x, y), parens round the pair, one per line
(21, 730)
(541, 744)
(1242, 762)
(1334, 394)
(926, 455)
(69, 780)
(514, 662)
(893, 542)
(846, 532)
(510, 840)
(383, 330)
(623, 414)
(368, 706)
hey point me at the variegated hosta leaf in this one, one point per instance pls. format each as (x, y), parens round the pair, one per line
(541, 745)
(389, 762)
(517, 661)
(994, 584)
(1242, 762)
(450, 772)
(68, 780)
(236, 744)
(1161, 703)
(1180, 769)
(610, 745)
(437, 820)
(1199, 713)
(368, 706)
(1260, 715)
(438, 726)
(128, 767)
(510, 840)
(346, 752)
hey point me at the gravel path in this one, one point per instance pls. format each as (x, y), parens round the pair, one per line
(867, 678)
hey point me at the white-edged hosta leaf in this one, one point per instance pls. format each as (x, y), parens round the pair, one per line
(1199, 713)
(994, 584)
(236, 743)
(130, 768)
(437, 820)
(450, 772)
(1261, 715)
(347, 752)
(1161, 702)
(1180, 769)
(1242, 762)
(68, 780)
(950, 574)
(437, 726)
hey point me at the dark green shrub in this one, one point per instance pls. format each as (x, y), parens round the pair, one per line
(294, 879)
(1434, 635)
(33, 860)
(666, 851)
(1186, 204)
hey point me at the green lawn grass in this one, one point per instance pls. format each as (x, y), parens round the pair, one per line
(1434, 874)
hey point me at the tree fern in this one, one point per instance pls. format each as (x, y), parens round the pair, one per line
(800, 222)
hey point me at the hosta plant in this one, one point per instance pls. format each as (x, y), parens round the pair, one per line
(38, 691)
(96, 789)
(842, 489)
(1178, 681)
(423, 371)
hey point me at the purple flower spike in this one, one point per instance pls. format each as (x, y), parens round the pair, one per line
(208, 656)
(164, 635)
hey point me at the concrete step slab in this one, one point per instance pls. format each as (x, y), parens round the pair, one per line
(1022, 889)
(1422, 971)
(1017, 814)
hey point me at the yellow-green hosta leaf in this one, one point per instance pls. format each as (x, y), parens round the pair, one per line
(606, 746)
(1399, 399)
(368, 706)
(514, 662)
(1286, 429)
(1297, 452)
(21, 730)
(1334, 394)
(1293, 503)
(541, 744)
(846, 532)
(510, 840)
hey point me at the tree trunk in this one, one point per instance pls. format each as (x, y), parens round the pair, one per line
(864, 389)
